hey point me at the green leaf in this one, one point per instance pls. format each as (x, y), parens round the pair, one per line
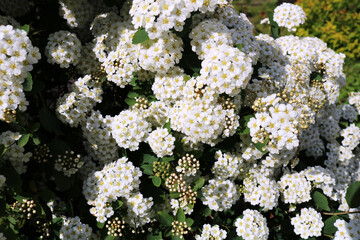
(2, 149)
(329, 227)
(275, 30)
(130, 101)
(177, 237)
(156, 181)
(180, 215)
(133, 95)
(25, 27)
(239, 46)
(109, 238)
(168, 159)
(262, 146)
(36, 140)
(174, 195)
(189, 222)
(140, 36)
(28, 83)
(321, 201)
(47, 195)
(168, 232)
(165, 218)
(23, 140)
(100, 225)
(207, 212)
(154, 236)
(199, 183)
(168, 126)
(117, 204)
(150, 159)
(353, 195)
(11, 220)
(243, 128)
(147, 169)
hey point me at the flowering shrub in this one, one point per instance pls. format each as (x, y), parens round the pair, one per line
(172, 120)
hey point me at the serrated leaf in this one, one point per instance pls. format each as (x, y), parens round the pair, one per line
(243, 128)
(353, 195)
(28, 83)
(23, 140)
(165, 218)
(198, 184)
(189, 222)
(262, 145)
(25, 27)
(207, 212)
(321, 201)
(329, 227)
(180, 215)
(274, 26)
(130, 101)
(168, 159)
(156, 181)
(140, 36)
(117, 204)
(11, 220)
(133, 95)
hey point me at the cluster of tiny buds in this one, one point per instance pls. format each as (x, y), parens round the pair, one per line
(9, 115)
(320, 68)
(142, 230)
(188, 165)
(141, 103)
(68, 163)
(188, 196)
(43, 228)
(176, 183)
(180, 229)
(98, 74)
(26, 208)
(161, 169)
(115, 226)
(228, 122)
(199, 92)
(42, 153)
(226, 103)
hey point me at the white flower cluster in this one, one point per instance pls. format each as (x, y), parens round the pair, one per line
(14, 153)
(72, 108)
(295, 188)
(76, 13)
(162, 143)
(347, 230)
(227, 165)
(160, 54)
(17, 55)
(252, 226)
(159, 16)
(73, 229)
(308, 223)
(261, 190)
(116, 179)
(99, 142)
(208, 35)
(219, 194)
(211, 232)
(289, 15)
(351, 136)
(226, 69)
(129, 128)
(139, 210)
(176, 204)
(63, 48)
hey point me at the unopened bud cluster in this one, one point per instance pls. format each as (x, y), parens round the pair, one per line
(180, 228)
(176, 183)
(188, 165)
(162, 169)
(115, 226)
(43, 229)
(8, 115)
(141, 103)
(69, 163)
(42, 153)
(26, 208)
